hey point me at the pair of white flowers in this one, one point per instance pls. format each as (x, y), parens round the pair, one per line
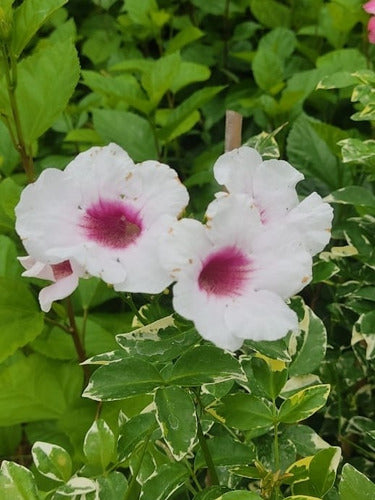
(105, 216)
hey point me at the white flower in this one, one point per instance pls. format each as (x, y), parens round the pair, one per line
(233, 276)
(271, 184)
(104, 213)
(64, 274)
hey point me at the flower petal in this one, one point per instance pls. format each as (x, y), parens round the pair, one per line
(206, 313)
(157, 190)
(260, 315)
(274, 189)
(183, 247)
(281, 264)
(312, 219)
(48, 214)
(57, 291)
(235, 169)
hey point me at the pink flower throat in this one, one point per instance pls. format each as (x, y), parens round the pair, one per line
(225, 272)
(112, 224)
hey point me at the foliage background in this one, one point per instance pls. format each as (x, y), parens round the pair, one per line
(156, 78)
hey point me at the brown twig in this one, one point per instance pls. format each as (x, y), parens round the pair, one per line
(233, 130)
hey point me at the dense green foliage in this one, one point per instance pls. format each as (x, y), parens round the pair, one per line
(156, 77)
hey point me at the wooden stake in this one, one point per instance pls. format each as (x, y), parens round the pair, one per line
(233, 130)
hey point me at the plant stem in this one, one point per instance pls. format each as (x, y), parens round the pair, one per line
(11, 80)
(129, 300)
(137, 469)
(205, 450)
(276, 437)
(76, 339)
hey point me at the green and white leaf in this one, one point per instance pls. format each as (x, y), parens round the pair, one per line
(52, 461)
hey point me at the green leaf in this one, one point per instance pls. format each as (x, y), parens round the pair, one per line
(324, 270)
(308, 151)
(28, 18)
(355, 485)
(246, 412)
(41, 97)
(20, 318)
(189, 72)
(203, 365)
(357, 151)
(35, 388)
(78, 486)
(271, 375)
(350, 60)
(175, 412)
(352, 195)
(280, 41)
(303, 404)
(133, 432)
(17, 482)
(225, 451)
(239, 495)
(268, 80)
(122, 379)
(322, 470)
(168, 479)
(311, 345)
(128, 130)
(99, 445)
(113, 486)
(270, 13)
(158, 80)
(274, 349)
(9, 197)
(9, 157)
(184, 110)
(305, 439)
(184, 37)
(52, 461)
(9, 266)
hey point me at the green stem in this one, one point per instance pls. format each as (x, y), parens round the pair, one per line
(133, 480)
(77, 340)
(129, 300)
(11, 80)
(276, 437)
(193, 475)
(214, 480)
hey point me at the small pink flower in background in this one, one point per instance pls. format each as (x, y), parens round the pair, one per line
(65, 276)
(371, 29)
(271, 185)
(232, 276)
(369, 7)
(104, 213)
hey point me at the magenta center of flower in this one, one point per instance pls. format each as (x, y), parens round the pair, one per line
(62, 270)
(225, 272)
(112, 224)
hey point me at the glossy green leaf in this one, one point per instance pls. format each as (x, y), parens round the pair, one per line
(158, 80)
(134, 431)
(355, 485)
(78, 486)
(120, 380)
(311, 345)
(246, 412)
(20, 317)
(17, 482)
(266, 79)
(41, 97)
(271, 13)
(128, 130)
(28, 18)
(271, 375)
(99, 445)
(226, 451)
(303, 404)
(306, 440)
(52, 461)
(168, 479)
(204, 364)
(175, 412)
(357, 151)
(281, 41)
(353, 195)
(113, 486)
